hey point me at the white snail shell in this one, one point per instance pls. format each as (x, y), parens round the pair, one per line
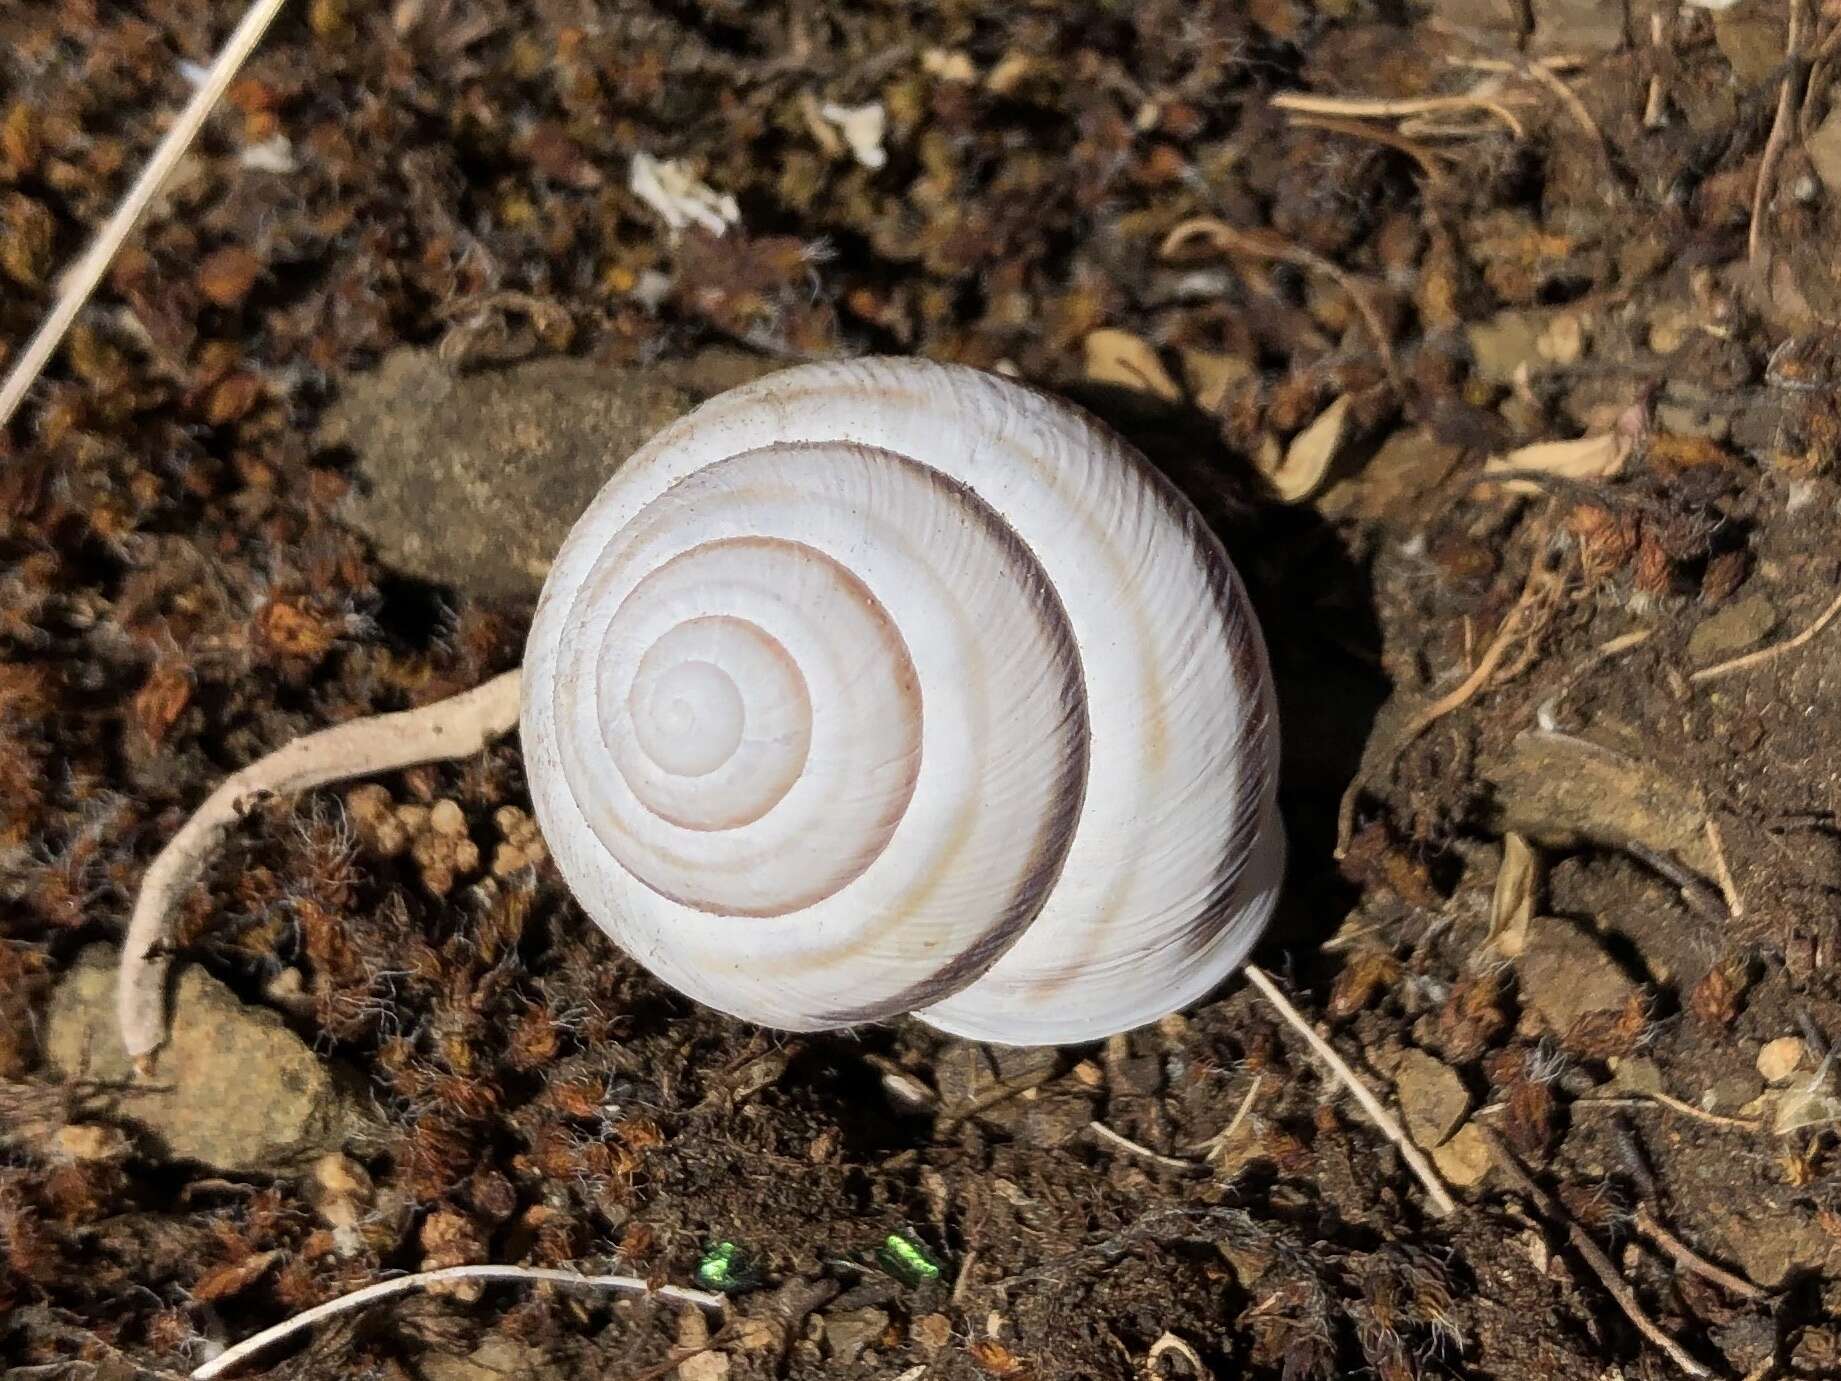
(891, 686)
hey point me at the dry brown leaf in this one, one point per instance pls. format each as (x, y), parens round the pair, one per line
(1511, 906)
(1168, 1343)
(227, 275)
(1308, 458)
(223, 1281)
(1119, 357)
(1212, 375)
(1597, 457)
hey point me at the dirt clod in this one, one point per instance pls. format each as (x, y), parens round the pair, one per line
(1566, 974)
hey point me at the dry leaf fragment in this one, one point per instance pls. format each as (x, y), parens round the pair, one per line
(863, 128)
(670, 188)
(1808, 1102)
(1212, 375)
(1511, 906)
(1596, 457)
(1119, 357)
(1312, 451)
(1170, 1343)
(223, 1281)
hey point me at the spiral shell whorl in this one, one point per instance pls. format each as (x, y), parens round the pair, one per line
(884, 686)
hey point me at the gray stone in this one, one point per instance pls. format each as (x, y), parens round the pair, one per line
(496, 1359)
(849, 1331)
(1768, 1247)
(1504, 343)
(1497, 18)
(234, 1089)
(1824, 149)
(1577, 26)
(474, 479)
(1433, 1100)
(1565, 973)
(1736, 626)
(1751, 35)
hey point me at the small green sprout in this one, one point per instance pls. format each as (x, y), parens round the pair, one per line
(725, 1269)
(907, 1260)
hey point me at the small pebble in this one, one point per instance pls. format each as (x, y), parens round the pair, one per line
(1463, 1160)
(1779, 1059)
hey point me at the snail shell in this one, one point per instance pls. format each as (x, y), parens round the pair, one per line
(892, 686)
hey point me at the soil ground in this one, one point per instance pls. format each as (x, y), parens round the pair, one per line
(1581, 924)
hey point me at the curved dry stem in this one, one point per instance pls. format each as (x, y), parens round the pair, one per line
(452, 728)
(404, 1285)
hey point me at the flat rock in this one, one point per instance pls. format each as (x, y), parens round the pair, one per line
(1465, 1159)
(1504, 343)
(849, 1331)
(1824, 149)
(473, 479)
(234, 1088)
(1393, 484)
(1565, 973)
(1433, 1099)
(496, 1359)
(1559, 791)
(1769, 1247)
(1577, 26)
(1751, 36)
(1742, 624)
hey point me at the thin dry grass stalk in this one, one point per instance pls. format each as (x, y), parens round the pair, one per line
(1520, 626)
(1766, 654)
(1756, 250)
(1379, 108)
(81, 279)
(1377, 1111)
(403, 1285)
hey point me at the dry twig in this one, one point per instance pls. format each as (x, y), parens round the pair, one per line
(1212, 1148)
(404, 1285)
(1591, 1252)
(1652, 1227)
(1781, 123)
(1001, 1092)
(1765, 654)
(454, 728)
(1375, 134)
(1126, 1144)
(1370, 1104)
(1365, 107)
(81, 279)
(1722, 871)
(1263, 244)
(1569, 98)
